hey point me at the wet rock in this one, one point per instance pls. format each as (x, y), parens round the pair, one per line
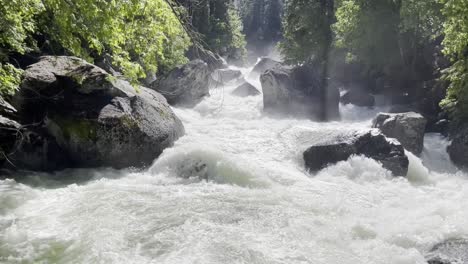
(262, 66)
(36, 150)
(359, 98)
(6, 109)
(337, 147)
(97, 120)
(223, 76)
(185, 85)
(454, 251)
(458, 148)
(246, 89)
(9, 131)
(298, 91)
(408, 128)
(441, 126)
(213, 60)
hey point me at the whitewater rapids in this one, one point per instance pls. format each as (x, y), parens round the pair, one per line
(234, 190)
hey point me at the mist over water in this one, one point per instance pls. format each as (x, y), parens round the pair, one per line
(234, 190)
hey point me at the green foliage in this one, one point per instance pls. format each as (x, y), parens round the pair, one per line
(306, 31)
(10, 78)
(17, 23)
(368, 30)
(456, 48)
(225, 32)
(141, 36)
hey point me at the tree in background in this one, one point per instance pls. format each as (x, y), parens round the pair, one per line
(307, 31)
(262, 21)
(218, 26)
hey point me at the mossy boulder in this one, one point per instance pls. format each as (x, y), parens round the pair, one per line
(97, 120)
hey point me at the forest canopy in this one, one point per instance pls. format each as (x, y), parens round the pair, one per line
(389, 40)
(140, 36)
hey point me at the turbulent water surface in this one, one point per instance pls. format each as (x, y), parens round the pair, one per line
(234, 190)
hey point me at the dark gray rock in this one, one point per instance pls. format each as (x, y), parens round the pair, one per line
(246, 89)
(458, 148)
(213, 60)
(34, 149)
(224, 76)
(262, 66)
(299, 91)
(333, 148)
(9, 131)
(97, 120)
(185, 85)
(359, 98)
(408, 128)
(454, 251)
(6, 109)
(440, 126)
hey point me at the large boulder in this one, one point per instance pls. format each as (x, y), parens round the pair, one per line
(358, 97)
(246, 89)
(408, 128)
(185, 85)
(262, 66)
(96, 119)
(299, 91)
(333, 148)
(453, 251)
(458, 148)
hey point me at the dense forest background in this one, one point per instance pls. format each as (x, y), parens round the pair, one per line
(411, 49)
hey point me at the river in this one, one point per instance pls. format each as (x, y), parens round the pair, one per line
(234, 190)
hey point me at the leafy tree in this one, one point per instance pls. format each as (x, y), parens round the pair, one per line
(456, 47)
(141, 36)
(17, 23)
(307, 32)
(218, 24)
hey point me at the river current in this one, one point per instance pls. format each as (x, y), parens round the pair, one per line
(234, 190)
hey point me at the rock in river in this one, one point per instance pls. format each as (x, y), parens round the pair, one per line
(299, 91)
(185, 85)
(333, 148)
(246, 89)
(96, 119)
(408, 128)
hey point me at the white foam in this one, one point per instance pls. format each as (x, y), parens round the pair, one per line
(234, 190)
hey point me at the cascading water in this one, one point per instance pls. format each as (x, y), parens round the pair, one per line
(235, 190)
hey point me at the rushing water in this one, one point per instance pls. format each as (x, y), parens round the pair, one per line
(234, 190)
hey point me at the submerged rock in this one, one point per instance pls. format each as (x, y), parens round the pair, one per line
(246, 89)
(359, 98)
(298, 91)
(408, 128)
(96, 120)
(262, 66)
(458, 148)
(372, 144)
(185, 85)
(454, 251)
